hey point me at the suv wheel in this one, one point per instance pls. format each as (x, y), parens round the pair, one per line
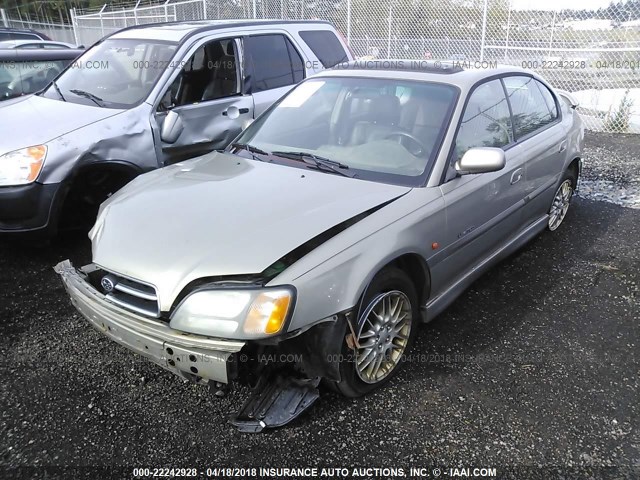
(386, 328)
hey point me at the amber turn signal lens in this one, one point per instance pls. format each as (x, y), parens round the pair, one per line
(37, 154)
(268, 312)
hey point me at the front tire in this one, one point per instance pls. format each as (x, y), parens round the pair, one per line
(385, 330)
(561, 200)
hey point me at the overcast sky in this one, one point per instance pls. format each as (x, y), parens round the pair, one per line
(559, 4)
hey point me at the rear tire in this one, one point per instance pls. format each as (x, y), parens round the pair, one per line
(385, 330)
(561, 200)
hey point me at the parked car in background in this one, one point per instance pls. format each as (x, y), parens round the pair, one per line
(35, 44)
(28, 71)
(21, 34)
(143, 98)
(362, 203)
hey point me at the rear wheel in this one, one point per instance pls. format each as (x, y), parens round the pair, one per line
(561, 200)
(385, 330)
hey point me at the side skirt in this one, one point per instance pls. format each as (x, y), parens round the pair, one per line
(442, 301)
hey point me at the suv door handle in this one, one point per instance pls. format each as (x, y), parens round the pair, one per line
(516, 176)
(240, 111)
(563, 146)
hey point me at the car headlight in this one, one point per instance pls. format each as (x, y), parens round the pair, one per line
(23, 166)
(235, 313)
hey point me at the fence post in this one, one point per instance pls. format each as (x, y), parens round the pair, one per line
(254, 9)
(348, 22)
(506, 40)
(553, 27)
(101, 22)
(484, 29)
(389, 31)
(72, 13)
(204, 9)
(135, 12)
(5, 22)
(166, 11)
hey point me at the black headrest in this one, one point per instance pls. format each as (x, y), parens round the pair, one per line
(214, 50)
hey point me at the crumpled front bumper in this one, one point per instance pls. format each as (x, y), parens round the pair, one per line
(194, 357)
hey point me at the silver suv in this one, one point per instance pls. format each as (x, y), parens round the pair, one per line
(143, 98)
(359, 205)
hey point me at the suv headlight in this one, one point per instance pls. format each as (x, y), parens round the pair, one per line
(23, 166)
(235, 313)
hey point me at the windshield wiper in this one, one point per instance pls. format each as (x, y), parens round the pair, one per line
(321, 163)
(94, 98)
(55, 85)
(249, 148)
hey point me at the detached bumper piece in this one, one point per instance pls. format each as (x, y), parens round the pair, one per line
(193, 357)
(276, 402)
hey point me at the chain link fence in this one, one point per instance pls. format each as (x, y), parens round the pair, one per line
(60, 31)
(595, 54)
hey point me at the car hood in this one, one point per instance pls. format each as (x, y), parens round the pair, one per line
(35, 120)
(222, 215)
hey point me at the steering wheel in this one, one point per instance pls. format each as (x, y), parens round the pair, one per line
(420, 149)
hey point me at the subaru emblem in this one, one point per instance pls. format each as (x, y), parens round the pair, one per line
(107, 284)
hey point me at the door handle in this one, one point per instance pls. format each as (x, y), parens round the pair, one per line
(563, 146)
(240, 111)
(516, 176)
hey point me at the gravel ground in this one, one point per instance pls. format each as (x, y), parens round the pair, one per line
(537, 364)
(611, 169)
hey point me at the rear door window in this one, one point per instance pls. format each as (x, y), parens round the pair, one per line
(548, 98)
(325, 45)
(531, 110)
(272, 61)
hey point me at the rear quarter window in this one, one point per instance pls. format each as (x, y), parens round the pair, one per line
(325, 45)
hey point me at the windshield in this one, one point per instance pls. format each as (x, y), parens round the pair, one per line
(381, 129)
(23, 77)
(117, 73)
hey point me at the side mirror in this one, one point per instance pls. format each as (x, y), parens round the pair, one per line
(171, 127)
(481, 160)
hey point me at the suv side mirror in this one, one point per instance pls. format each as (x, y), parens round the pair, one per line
(171, 127)
(481, 160)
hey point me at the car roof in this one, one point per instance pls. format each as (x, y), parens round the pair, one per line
(18, 43)
(178, 31)
(37, 54)
(19, 30)
(458, 73)
(24, 30)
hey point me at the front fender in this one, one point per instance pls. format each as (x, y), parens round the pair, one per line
(125, 138)
(332, 278)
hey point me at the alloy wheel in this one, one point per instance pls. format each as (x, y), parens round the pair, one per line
(383, 336)
(560, 204)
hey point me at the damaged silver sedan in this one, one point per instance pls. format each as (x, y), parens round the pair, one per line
(358, 206)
